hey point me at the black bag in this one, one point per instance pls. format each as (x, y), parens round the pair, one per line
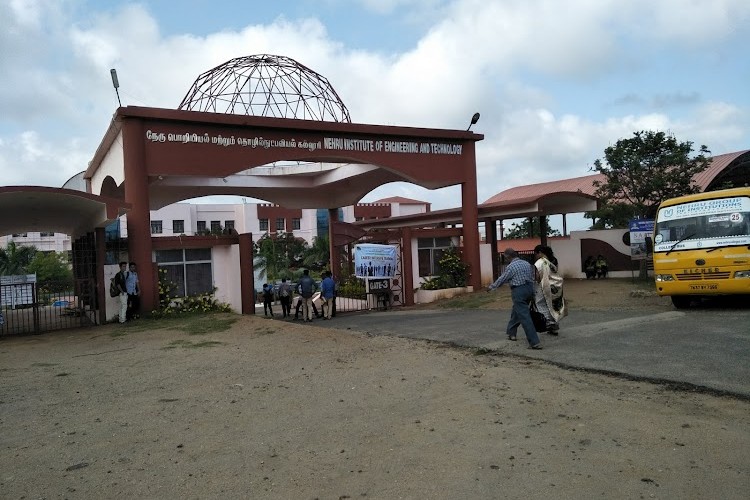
(114, 290)
(540, 322)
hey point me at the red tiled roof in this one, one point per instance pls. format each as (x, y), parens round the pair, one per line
(718, 164)
(576, 185)
(585, 184)
(402, 200)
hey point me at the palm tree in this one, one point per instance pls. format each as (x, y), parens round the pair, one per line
(274, 257)
(15, 259)
(318, 255)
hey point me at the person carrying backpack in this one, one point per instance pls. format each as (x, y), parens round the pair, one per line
(267, 300)
(285, 296)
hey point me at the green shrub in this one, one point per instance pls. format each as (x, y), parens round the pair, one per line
(453, 272)
(169, 305)
(352, 287)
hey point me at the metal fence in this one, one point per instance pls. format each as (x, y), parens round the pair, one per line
(31, 307)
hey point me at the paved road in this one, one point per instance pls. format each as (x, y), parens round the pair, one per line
(707, 348)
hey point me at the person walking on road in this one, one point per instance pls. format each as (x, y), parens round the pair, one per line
(548, 292)
(521, 277)
(267, 300)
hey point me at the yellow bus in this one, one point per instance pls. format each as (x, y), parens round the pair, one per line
(702, 245)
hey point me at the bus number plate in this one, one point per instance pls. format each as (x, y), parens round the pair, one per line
(712, 286)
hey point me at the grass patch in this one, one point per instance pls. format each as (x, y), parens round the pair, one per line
(205, 343)
(186, 344)
(202, 325)
(192, 324)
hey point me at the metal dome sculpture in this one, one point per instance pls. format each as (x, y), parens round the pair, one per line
(266, 85)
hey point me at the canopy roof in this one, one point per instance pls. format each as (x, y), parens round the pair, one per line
(39, 208)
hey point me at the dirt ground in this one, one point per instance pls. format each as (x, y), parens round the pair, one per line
(272, 409)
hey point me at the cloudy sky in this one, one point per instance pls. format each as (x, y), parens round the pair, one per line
(555, 82)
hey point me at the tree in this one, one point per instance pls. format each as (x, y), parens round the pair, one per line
(644, 170)
(274, 257)
(318, 255)
(611, 215)
(529, 228)
(15, 259)
(52, 270)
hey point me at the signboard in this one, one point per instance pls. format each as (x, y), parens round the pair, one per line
(18, 290)
(640, 229)
(719, 206)
(379, 285)
(375, 261)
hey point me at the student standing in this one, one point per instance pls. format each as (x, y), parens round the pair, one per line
(133, 287)
(285, 296)
(121, 280)
(327, 289)
(307, 288)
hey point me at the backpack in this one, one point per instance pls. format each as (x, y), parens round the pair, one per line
(114, 290)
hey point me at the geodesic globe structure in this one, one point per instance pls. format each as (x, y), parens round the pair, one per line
(266, 85)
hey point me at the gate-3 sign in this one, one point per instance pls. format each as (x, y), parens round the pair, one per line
(379, 285)
(375, 261)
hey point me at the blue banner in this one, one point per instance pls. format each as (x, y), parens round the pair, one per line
(375, 261)
(640, 229)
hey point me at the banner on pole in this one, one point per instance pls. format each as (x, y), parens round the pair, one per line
(640, 229)
(375, 261)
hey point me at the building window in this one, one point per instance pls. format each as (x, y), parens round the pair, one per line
(155, 227)
(228, 225)
(19, 235)
(215, 226)
(296, 223)
(178, 226)
(263, 224)
(46, 234)
(429, 252)
(189, 270)
(280, 224)
(201, 227)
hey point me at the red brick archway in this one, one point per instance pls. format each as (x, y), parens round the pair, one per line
(162, 156)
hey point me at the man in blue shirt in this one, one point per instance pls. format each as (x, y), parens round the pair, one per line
(327, 288)
(521, 277)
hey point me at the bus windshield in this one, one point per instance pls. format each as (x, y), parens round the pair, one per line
(703, 224)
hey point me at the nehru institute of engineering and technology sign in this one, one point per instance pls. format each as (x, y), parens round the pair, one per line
(326, 144)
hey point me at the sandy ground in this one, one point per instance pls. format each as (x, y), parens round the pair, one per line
(273, 409)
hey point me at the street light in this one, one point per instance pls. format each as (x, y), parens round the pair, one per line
(115, 84)
(474, 119)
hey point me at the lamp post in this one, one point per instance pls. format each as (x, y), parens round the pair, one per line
(474, 119)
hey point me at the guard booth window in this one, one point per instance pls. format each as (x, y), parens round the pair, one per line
(188, 271)
(430, 251)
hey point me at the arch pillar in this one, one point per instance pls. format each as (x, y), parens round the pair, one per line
(407, 267)
(470, 219)
(247, 277)
(139, 217)
(334, 252)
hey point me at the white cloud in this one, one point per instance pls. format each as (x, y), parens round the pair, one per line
(507, 59)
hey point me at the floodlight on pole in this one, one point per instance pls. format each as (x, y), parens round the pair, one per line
(116, 84)
(474, 119)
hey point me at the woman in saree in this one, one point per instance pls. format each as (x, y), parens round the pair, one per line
(548, 292)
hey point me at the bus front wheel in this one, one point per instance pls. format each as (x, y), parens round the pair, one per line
(680, 301)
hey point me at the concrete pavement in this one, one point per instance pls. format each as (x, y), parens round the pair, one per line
(707, 349)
